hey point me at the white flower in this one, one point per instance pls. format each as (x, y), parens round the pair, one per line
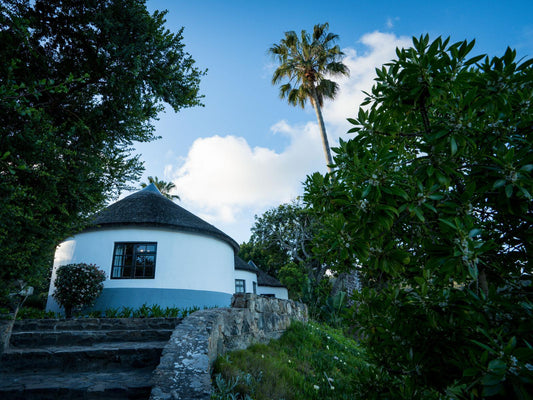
(316, 387)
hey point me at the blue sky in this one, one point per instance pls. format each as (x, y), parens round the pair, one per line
(247, 150)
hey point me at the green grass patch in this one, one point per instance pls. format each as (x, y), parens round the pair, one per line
(310, 361)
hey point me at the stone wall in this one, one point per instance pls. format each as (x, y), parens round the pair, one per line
(185, 368)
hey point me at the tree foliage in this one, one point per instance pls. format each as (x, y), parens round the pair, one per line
(282, 245)
(80, 81)
(433, 199)
(306, 64)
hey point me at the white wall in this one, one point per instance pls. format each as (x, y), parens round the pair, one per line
(279, 292)
(249, 277)
(183, 260)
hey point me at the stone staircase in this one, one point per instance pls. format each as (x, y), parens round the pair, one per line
(83, 358)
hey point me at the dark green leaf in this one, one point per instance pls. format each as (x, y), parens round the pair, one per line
(509, 190)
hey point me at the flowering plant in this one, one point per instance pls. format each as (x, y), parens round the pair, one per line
(78, 286)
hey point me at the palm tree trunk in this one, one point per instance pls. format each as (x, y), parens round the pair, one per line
(325, 143)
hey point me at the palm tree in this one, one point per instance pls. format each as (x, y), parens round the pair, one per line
(306, 62)
(163, 187)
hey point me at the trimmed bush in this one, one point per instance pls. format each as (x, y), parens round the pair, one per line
(78, 286)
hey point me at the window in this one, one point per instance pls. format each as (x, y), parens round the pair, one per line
(255, 287)
(240, 286)
(134, 261)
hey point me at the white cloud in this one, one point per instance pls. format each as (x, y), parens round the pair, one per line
(391, 21)
(226, 181)
(222, 176)
(381, 49)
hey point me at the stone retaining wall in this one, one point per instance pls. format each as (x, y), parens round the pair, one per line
(185, 368)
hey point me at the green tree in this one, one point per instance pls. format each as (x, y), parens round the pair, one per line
(281, 244)
(264, 254)
(433, 199)
(164, 187)
(306, 63)
(80, 82)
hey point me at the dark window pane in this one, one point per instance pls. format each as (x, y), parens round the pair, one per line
(129, 260)
(149, 272)
(150, 248)
(139, 272)
(139, 260)
(149, 260)
(127, 272)
(129, 248)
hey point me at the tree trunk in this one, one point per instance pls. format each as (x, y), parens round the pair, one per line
(325, 143)
(483, 282)
(6, 327)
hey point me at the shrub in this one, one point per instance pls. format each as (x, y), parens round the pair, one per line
(78, 286)
(35, 313)
(432, 199)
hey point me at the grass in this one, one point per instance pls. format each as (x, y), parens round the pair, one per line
(310, 361)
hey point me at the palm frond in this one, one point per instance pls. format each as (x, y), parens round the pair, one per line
(337, 68)
(327, 89)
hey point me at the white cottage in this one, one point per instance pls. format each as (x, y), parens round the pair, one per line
(251, 279)
(156, 252)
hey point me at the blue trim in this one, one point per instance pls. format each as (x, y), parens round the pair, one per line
(136, 297)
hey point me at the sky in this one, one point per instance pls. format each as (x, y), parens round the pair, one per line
(247, 150)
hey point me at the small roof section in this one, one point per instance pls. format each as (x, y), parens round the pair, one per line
(263, 279)
(242, 265)
(148, 207)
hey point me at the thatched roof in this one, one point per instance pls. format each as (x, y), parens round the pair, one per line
(263, 279)
(148, 207)
(242, 265)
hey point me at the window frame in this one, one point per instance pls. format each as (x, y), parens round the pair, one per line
(243, 285)
(134, 256)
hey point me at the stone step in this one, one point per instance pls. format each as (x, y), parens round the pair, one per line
(34, 339)
(134, 384)
(103, 357)
(94, 324)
